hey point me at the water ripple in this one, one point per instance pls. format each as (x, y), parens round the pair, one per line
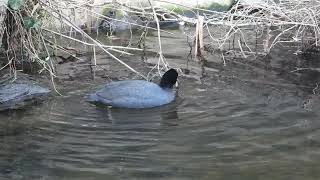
(204, 132)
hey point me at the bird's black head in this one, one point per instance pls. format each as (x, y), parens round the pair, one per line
(169, 79)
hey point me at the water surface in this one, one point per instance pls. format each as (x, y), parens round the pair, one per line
(235, 124)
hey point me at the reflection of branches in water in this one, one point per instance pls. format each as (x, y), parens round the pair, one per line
(190, 44)
(302, 69)
(315, 89)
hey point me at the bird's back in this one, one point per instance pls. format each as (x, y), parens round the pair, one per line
(133, 94)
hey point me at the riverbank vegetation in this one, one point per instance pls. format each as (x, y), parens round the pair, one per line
(36, 32)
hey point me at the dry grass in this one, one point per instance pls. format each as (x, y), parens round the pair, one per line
(255, 29)
(244, 30)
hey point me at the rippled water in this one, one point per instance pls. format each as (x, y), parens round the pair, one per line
(208, 133)
(222, 126)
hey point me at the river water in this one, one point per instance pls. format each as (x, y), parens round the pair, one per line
(247, 120)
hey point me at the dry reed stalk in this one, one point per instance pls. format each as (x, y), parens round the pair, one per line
(264, 23)
(199, 45)
(37, 41)
(161, 60)
(283, 22)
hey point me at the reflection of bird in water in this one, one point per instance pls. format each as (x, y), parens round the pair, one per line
(153, 118)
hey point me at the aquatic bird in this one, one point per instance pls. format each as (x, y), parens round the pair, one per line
(138, 93)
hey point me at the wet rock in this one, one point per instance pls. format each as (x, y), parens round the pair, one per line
(19, 94)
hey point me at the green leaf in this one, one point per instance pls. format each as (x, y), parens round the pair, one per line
(15, 4)
(30, 22)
